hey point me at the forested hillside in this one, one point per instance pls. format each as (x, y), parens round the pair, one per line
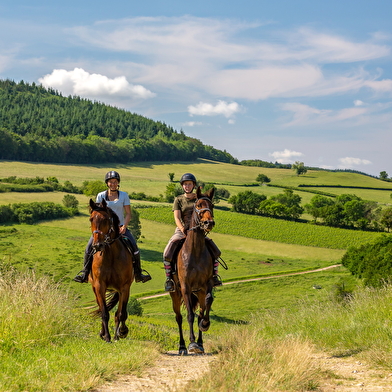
(39, 124)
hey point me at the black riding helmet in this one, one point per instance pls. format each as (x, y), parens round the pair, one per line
(188, 177)
(110, 175)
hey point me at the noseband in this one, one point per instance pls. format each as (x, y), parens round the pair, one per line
(199, 224)
(108, 240)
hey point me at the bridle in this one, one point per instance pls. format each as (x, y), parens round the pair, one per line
(196, 216)
(108, 240)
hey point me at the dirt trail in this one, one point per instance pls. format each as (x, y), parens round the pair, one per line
(172, 372)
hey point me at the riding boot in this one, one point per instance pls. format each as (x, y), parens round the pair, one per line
(216, 278)
(139, 276)
(82, 276)
(169, 284)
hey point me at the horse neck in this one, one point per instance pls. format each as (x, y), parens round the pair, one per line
(196, 237)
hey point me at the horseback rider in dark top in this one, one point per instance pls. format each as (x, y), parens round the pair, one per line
(182, 209)
(119, 202)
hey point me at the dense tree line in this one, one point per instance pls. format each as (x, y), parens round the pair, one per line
(285, 205)
(346, 211)
(39, 124)
(349, 211)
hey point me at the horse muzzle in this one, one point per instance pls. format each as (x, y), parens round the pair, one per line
(100, 246)
(207, 225)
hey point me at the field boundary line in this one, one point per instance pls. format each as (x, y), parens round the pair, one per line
(255, 279)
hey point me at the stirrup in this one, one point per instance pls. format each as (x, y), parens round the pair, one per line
(143, 278)
(217, 280)
(170, 285)
(81, 277)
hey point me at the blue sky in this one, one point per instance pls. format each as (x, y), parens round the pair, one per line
(279, 80)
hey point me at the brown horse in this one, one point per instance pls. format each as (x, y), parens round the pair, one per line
(194, 274)
(112, 269)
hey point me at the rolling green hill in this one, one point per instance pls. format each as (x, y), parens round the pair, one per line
(40, 125)
(252, 246)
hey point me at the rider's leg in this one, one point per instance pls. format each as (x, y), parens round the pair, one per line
(82, 276)
(215, 253)
(139, 276)
(215, 277)
(167, 258)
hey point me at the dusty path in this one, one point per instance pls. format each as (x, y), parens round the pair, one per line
(172, 372)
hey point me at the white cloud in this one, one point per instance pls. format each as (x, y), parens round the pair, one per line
(221, 108)
(358, 102)
(384, 85)
(195, 52)
(333, 48)
(80, 82)
(191, 123)
(307, 115)
(285, 156)
(349, 162)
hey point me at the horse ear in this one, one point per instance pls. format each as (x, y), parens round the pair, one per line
(210, 193)
(198, 192)
(104, 204)
(92, 204)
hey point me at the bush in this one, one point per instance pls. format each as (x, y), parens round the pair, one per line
(70, 201)
(134, 307)
(92, 188)
(371, 262)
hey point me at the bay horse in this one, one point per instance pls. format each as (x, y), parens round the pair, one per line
(193, 280)
(112, 269)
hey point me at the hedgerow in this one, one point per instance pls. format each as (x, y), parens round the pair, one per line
(33, 212)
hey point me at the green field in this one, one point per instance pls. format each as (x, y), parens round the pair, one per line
(251, 246)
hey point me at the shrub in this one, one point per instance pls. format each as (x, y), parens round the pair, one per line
(70, 201)
(371, 261)
(134, 307)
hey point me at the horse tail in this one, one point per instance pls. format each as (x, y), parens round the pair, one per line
(112, 298)
(194, 302)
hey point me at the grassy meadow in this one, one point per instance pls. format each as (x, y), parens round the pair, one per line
(45, 329)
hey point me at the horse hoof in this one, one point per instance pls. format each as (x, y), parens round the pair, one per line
(204, 326)
(195, 348)
(123, 333)
(182, 351)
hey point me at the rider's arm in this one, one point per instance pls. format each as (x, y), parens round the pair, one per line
(178, 220)
(127, 218)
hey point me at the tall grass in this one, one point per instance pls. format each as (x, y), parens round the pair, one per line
(276, 351)
(46, 344)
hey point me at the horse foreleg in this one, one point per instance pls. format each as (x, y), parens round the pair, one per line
(200, 337)
(176, 302)
(204, 319)
(193, 346)
(121, 330)
(100, 294)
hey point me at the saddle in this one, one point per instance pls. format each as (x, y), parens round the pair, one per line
(128, 244)
(176, 246)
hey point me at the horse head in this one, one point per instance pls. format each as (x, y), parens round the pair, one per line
(104, 225)
(203, 210)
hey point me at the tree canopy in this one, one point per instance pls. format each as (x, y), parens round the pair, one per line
(39, 124)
